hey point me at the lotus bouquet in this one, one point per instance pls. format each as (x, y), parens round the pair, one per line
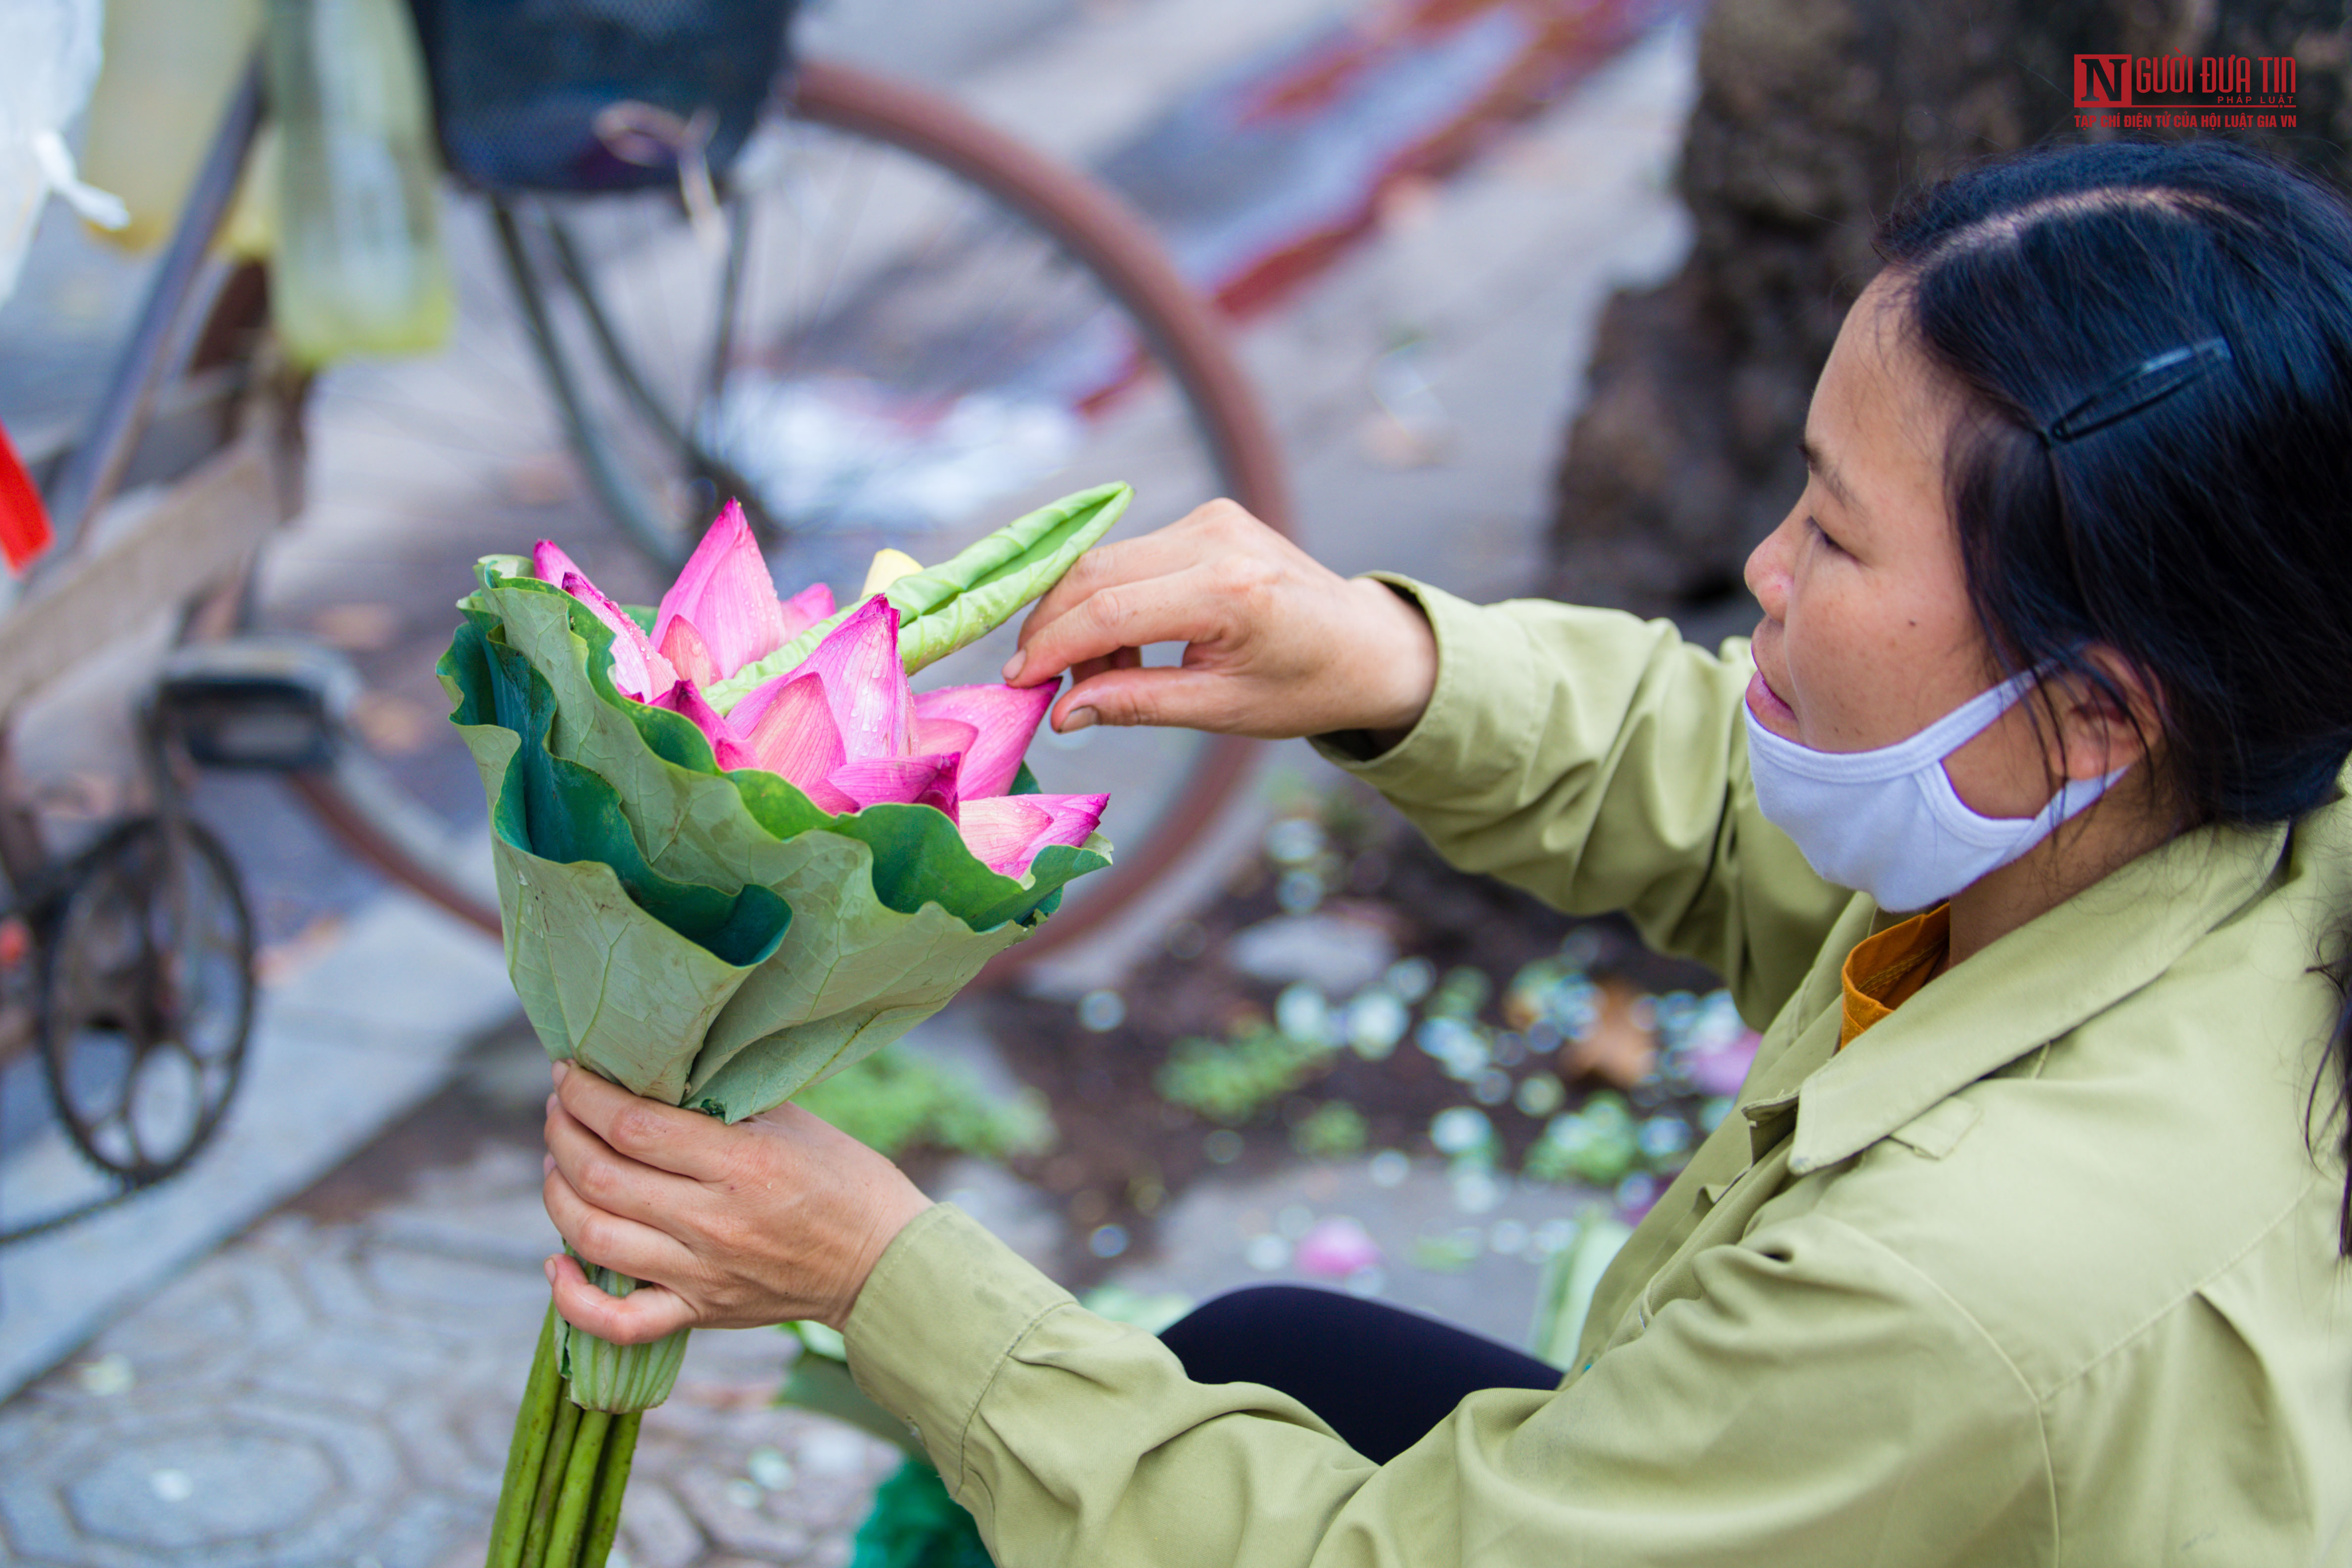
(736, 853)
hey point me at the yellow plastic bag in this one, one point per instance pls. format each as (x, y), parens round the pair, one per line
(170, 68)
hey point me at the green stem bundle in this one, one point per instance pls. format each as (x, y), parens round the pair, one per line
(559, 1505)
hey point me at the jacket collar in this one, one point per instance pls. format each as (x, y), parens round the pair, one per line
(2033, 986)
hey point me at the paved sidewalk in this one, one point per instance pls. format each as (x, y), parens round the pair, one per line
(338, 1052)
(342, 1394)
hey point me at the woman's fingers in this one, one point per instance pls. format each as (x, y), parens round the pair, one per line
(684, 1142)
(1163, 551)
(1220, 530)
(1276, 643)
(1164, 695)
(611, 1179)
(1121, 617)
(639, 1318)
(609, 1240)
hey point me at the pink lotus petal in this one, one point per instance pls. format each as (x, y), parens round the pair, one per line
(638, 670)
(688, 654)
(900, 781)
(943, 734)
(1004, 717)
(866, 683)
(791, 733)
(1001, 830)
(1006, 831)
(726, 745)
(1724, 1069)
(1335, 1247)
(725, 590)
(1075, 817)
(804, 610)
(549, 563)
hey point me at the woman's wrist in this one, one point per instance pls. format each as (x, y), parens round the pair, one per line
(891, 1216)
(1398, 663)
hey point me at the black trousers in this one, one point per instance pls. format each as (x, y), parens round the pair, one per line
(1381, 1376)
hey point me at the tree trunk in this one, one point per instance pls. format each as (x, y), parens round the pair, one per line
(1813, 116)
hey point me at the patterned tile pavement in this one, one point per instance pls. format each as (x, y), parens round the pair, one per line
(341, 1394)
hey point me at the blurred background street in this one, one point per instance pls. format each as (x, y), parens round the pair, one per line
(1446, 237)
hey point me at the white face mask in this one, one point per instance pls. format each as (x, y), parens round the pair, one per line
(1888, 822)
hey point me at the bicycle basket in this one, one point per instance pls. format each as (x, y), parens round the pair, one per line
(525, 90)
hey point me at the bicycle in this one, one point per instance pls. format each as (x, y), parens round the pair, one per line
(881, 282)
(128, 964)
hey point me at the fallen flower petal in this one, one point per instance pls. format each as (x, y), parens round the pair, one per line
(724, 589)
(1004, 718)
(638, 669)
(1335, 1247)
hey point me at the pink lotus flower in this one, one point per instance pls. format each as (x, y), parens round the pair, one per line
(843, 725)
(1723, 1069)
(1335, 1247)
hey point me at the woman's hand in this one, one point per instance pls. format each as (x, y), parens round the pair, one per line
(1276, 645)
(775, 1218)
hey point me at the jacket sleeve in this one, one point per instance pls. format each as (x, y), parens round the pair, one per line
(1815, 1401)
(1601, 762)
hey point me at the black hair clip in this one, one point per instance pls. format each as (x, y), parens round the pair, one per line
(2150, 382)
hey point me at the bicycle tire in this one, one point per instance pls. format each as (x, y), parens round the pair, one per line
(1091, 220)
(67, 1003)
(1121, 256)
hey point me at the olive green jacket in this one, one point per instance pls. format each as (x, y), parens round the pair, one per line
(2042, 1270)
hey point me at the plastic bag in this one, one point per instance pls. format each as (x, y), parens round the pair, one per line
(48, 59)
(359, 263)
(916, 1524)
(170, 68)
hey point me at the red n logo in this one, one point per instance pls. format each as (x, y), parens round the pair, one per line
(2103, 82)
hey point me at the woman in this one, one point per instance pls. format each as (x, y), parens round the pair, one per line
(2017, 822)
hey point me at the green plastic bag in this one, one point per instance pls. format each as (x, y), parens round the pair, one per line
(915, 1524)
(358, 268)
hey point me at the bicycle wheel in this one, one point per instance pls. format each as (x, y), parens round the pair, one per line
(905, 329)
(147, 997)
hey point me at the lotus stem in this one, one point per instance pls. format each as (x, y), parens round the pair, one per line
(619, 1379)
(550, 1477)
(534, 1422)
(571, 1517)
(611, 1483)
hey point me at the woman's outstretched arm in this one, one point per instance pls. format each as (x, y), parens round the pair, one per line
(1595, 760)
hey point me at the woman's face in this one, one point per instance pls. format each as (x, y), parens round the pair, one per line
(1867, 635)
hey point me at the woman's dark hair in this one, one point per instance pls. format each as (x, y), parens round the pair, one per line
(2154, 340)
